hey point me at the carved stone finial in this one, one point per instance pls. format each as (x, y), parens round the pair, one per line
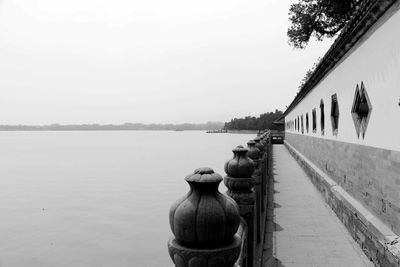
(240, 165)
(240, 183)
(259, 145)
(253, 152)
(204, 223)
(239, 180)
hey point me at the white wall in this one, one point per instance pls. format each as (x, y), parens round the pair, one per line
(375, 61)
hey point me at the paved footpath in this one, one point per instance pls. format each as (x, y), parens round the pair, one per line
(307, 232)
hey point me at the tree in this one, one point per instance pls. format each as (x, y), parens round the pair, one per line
(318, 18)
(309, 73)
(264, 121)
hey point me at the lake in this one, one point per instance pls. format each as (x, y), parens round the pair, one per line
(97, 198)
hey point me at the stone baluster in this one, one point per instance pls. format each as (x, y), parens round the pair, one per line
(260, 146)
(264, 143)
(269, 162)
(204, 223)
(240, 182)
(255, 154)
(269, 155)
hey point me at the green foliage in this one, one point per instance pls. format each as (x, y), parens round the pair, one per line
(318, 18)
(309, 74)
(264, 121)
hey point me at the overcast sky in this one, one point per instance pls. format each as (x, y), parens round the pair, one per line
(97, 61)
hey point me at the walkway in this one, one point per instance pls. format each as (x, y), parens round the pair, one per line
(307, 232)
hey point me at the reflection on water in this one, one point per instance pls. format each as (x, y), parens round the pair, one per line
(97, 198)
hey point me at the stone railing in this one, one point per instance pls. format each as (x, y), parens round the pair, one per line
(213, 229)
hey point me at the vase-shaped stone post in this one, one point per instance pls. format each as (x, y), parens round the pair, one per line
(268, 154)
(255, 154)
(204, 223)
(240, 182)
(263, 142)
(259, 145)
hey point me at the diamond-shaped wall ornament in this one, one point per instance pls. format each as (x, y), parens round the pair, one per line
(307, 126)
(321, 105)
(361, 110)
(334, 114)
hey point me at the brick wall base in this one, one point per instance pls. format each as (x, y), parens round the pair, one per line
(378, 241)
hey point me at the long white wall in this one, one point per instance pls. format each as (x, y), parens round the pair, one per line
(375, 61)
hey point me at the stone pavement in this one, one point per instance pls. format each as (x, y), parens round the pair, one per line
(307, 232)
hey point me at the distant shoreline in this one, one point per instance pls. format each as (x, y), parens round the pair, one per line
(114, 130)
(94, 130)
(116, 127)
(97, 130)
(243, 131)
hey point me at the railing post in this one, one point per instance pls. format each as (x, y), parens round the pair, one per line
(204, 223)
(269, 153)
(260, 146)
(264, 142)
(255, 154)
(240, 182)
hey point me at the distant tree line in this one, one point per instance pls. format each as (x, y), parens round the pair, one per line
(264, 121)
(111, 127)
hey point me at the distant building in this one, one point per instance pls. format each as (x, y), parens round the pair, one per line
(346, 122)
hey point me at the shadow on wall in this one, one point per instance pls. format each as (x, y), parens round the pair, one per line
(277, 227)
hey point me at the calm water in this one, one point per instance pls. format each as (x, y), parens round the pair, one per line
(97, 198)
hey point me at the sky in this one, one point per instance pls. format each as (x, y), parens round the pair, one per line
(153, 61)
